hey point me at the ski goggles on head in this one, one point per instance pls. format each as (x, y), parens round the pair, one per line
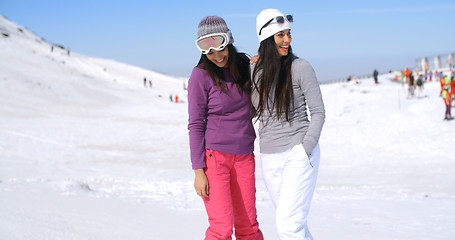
(215, 41)
(280, 20)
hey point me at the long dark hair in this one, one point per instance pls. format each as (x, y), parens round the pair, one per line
(238, 65)
(272, 65)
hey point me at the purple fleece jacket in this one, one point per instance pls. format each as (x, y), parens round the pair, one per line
(217, 121)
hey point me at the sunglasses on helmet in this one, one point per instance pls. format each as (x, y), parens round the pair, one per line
(215, 41)
(280, 20)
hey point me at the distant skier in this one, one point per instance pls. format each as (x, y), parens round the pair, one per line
(411, 86)
(375, 76)
(420, 85)
(452, 87)
(442, 81)
(145, 82)
(396, 78)
(407, 73)
(402, 78)
(447, 101)
(437, 76)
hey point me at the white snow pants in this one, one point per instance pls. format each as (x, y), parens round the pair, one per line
(290, 178)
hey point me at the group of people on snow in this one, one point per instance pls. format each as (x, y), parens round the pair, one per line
(445, 78)
(149, 82)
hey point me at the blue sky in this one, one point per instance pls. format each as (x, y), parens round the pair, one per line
(339, 38)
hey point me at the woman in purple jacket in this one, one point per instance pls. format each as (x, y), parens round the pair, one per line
(222, 135)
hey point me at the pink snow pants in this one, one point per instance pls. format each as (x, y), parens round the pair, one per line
(232, 196)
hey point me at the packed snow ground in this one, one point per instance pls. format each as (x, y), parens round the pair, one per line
(88, 152)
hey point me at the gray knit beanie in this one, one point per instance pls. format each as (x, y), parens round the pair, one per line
(213, 24)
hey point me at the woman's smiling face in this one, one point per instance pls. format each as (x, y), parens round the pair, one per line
(219, 58)
(283, 40)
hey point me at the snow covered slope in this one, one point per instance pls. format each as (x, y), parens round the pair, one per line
(39, 68)
(88, 152)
